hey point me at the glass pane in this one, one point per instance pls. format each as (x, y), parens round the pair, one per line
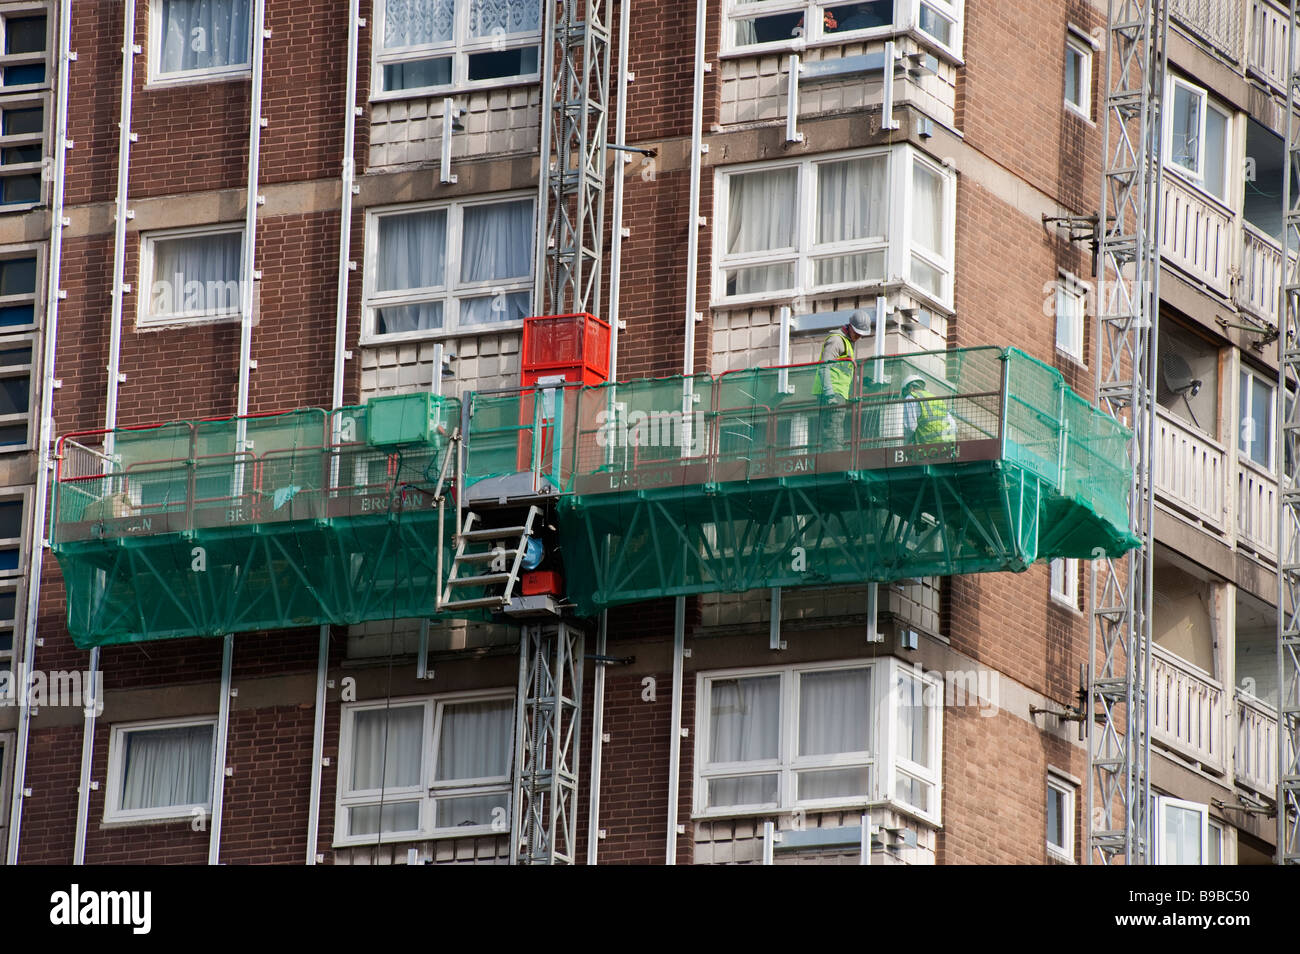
(8, 604)
(165, 767)
(13, 434)
(780, 28)
(515, 306)
(412, 251)
(11, 357)
(12, 315)
(937, 25)
(395, 320)
(198, 275)
(204, 34)
(15, 189)
(10, 558)
(398, 816)
(418, 22)
(11, 519)
(863, 267)
(747, 790)
(834, 712)
(1185, 147)
(387, 748)
(474, 741)
(14, 155)
(497, 242)
(14, 395)
(24, 74)
(496, 64)
(1182, 836)
(927, 209)
(1216, 136)
(473, 810)
(18, 276)
(1215, 846)
(913, 791)
(19, 122)
(24, 34)
(416, 74)
(926, 277)
(745, 719)
(851, 200)
(1069, 322)
(1256, 419)
(913, 735)
(761, 211)
(6, 641)
(759, 278)
(1073, 75)
(502, 17)
(834, 783)
(1056, 818)
(858, 16)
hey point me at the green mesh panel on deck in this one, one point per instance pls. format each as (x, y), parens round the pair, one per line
(180, 535)
(749, 480)
(525, 430)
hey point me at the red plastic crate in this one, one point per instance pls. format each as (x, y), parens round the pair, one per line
(573, 347)
(542, 583)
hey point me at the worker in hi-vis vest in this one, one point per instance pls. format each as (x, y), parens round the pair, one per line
(834, 381)
(925, 417)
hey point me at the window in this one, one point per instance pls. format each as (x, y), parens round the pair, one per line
(1181, 836)
(1255, 435)
(453, 44)
(17, 291)
(15, 397)
(22, 124)
(1214, 850)
(1197, 138)
(26, 40)
(817, 736)
(200, 39)
(426, 768)
(191, 275)
(11, 536)
(448, 267)
(834, 223)
(160, 770)
(1060, 816)
(1078, 74)
(1065, 581)
(1071, 304)
(754, 24)
(6, 770)
(8, 625)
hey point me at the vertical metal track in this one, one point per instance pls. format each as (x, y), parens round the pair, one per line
(546, 744)
(60, 144)
(1128, 307)
(1288, 451)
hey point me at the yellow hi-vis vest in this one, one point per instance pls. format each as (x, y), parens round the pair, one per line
(932, 423)
(842, 372)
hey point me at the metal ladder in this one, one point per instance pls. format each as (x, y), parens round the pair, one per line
(488, 550)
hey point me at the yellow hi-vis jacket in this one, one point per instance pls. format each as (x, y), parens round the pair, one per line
(841, 373)
(933, 424)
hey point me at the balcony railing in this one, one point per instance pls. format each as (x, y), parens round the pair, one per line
(1187, 709)
(1266, 44)
(1196, 233)
(1191, 471)
(1261, 278)
(1256, 508)
(1218, 22)
(1256, 755)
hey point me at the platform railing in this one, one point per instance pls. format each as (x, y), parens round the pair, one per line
(1269, 23)
(1187, 709)
(1190, 470)
(1256, 508)
(1255, 758)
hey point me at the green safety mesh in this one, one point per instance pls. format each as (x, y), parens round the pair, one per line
(178, 532)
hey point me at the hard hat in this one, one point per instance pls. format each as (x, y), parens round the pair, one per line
(909, 381)
(860, 322)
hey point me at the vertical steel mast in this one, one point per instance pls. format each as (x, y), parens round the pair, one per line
(1288, 444)
(570, 255)
(1128, 308)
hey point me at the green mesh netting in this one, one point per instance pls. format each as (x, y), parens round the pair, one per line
(179, 533)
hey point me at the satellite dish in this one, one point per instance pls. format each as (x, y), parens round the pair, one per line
(1177, 376)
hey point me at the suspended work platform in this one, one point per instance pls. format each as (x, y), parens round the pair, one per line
(651, 488)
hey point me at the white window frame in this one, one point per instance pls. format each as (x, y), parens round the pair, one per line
(20, 371)
(144, 291)
(117, 765)
(20, 495)
(428, 789)
(1196, 177)
(1163, 804)
(21, 101)
(1213, 826)
(1067, 788)
(36, 297)
(897, 242)
(453, 290)
(10, 656)
(1242, 416)
(882, 760)
(1065, 581)
(20, 11)
(907, 20)
(183, 77)
(458, 48)
(1078, 44)
(1070, 288)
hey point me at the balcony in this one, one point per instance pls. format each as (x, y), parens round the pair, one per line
(1191, 471)
(1266, 46)
(1261, 274)
(1187, 713)
(1217, 22)
(1196, 234)
(1256, 754)
(1256, 509)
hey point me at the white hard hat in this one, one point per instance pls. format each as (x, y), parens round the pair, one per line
(860, 322)
(910, 380)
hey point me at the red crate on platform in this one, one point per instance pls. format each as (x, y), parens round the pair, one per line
(572, 347)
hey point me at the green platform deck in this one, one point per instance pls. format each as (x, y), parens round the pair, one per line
(665, 487)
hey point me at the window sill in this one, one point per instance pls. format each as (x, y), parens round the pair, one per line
(875, 35)
(1079, 114)
(1061, 602)
(197, 79)
(185, 814)
(370, 340)
(721, 814)
(362, 841)
(176, 324)
(1073, 359)
(19, 207)
(1058, 857)
(446, 92)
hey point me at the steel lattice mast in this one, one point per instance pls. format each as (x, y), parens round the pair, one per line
(1128, 307)
(1288, 538)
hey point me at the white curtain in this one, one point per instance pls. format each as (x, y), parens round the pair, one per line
(164, 767)
(834, 712)
(412, 254)
(927, 209)
(204, 34)
(475, 740)
(852, 204)
(762, 209)
(913, 737)
(497, 245)
(397, 765)
(197, 275)
(418, 22)
(501, 17)
(744, 726)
